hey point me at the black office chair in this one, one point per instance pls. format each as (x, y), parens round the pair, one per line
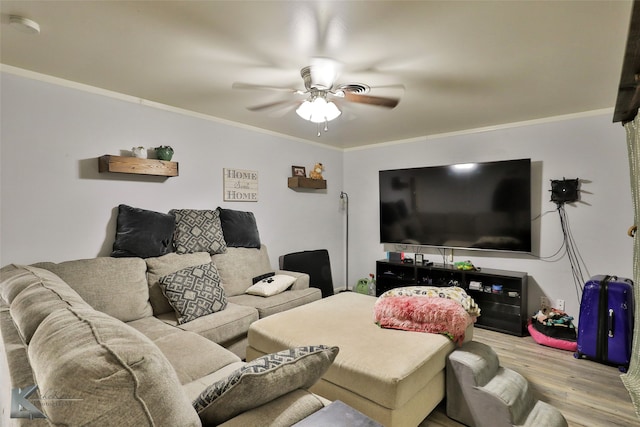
(316, 264)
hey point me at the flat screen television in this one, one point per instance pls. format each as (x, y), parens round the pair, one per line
(485, 206)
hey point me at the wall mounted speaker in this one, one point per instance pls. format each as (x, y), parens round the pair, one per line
(565, 190)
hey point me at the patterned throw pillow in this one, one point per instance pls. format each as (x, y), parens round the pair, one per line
(194, 292)
(198, 231)
(263, 380)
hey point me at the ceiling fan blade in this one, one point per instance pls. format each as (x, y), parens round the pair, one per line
(396, 87)
(372, 100)
(240, 85)
(270, 105)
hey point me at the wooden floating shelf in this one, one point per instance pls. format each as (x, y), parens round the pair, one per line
(302, 182)
(137, 166)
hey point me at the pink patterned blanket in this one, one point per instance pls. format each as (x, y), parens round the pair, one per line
(420, 314)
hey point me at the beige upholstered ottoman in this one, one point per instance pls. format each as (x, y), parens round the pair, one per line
(395, 377)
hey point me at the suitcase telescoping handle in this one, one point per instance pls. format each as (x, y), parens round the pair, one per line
(610, 323)
(610, 312)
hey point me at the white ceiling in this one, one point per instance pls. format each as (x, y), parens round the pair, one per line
(463, 64)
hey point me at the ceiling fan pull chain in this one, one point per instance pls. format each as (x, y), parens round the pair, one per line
(326, 124)
(318, 127)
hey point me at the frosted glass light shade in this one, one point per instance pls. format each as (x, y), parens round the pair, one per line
(318, 111)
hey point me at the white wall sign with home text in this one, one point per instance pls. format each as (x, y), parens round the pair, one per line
(240, 185)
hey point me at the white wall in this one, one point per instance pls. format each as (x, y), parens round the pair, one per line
(56, 206)
(590, 148)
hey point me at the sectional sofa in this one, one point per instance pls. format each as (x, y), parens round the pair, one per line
(106, 347)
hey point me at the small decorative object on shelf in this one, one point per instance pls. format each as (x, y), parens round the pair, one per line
(464, 265)
(298, 171)
(316, 172)
(164, 152)
(139, 152)
(372, 284)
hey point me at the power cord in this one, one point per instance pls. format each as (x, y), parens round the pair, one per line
(575, 259)
(568, 249)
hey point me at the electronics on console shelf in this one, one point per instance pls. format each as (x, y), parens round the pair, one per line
(476, 286)
(389, 273)
(395, 256)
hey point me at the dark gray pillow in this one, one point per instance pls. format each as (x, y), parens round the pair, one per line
(263, 380)
(239, 229)
(142, 233)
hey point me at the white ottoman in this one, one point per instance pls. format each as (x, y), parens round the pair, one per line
(395, 377)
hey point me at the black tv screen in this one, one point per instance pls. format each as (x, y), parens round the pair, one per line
(470, 206)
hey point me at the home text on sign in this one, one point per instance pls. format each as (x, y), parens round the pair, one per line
(240, 185)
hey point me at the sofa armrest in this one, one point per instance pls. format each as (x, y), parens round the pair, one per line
(302, 279)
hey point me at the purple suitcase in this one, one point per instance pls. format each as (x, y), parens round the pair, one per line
(605, 328)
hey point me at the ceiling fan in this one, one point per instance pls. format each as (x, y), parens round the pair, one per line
(322, 93)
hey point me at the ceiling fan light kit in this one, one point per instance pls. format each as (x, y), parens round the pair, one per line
(319, 82)
(318, 110)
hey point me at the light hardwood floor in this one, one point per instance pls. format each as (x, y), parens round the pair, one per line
(587, 393)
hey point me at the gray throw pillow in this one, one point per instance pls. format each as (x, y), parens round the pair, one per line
(239, 228)
(142, 233)
(198, 231)
(194, 292)
(263, 380)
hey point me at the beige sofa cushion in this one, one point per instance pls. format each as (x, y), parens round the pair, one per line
(191, 355)
(46, 295)
(238, 267)
(116, 286)
(224, 326)
(280, 302)
(167, 264)
(118, 376)
(15, 278)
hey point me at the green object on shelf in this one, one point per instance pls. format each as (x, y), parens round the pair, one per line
(464, 265)
(164, 152)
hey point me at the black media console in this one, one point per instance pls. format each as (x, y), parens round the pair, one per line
(502, 296)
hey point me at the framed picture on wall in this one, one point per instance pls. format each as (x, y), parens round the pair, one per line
(298, 171)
